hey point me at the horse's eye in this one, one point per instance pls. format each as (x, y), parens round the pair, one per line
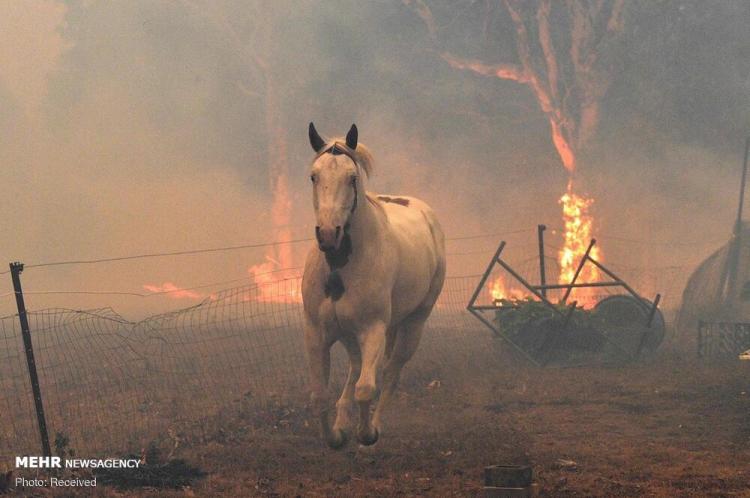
(312, 178)
(354, 181)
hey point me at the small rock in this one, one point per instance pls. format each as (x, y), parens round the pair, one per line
(564, 464)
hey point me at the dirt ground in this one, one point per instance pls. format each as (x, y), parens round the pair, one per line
(667, 426)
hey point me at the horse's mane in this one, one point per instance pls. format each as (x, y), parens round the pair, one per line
(362, 155)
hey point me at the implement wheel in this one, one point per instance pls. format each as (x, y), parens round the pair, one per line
(624, 320)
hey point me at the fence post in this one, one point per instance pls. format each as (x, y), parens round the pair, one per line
(15, 272)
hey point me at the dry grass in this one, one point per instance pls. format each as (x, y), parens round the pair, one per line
(664, 427)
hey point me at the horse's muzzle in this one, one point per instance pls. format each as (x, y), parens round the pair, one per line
(329, 239)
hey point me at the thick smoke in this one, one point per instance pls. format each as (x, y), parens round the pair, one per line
(139, 126)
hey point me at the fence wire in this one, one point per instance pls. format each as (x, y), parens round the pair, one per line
(112, 386)
(718, 340)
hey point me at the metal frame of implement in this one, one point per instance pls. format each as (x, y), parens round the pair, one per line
(540, 292)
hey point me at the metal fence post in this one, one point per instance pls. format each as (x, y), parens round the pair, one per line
(542, 270)
(15, 272)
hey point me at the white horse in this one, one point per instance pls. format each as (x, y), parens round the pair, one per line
(371, 283)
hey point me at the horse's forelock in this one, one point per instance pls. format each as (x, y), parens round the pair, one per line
(362, 155)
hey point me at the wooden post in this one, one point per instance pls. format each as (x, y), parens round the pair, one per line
(542, 277)
(15, 272)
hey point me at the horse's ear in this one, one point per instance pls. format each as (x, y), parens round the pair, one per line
(315, 140)
(351, 137)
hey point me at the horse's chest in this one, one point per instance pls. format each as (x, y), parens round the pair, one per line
(333, 287)
(348, 298)
(352, 309)
(341, 314)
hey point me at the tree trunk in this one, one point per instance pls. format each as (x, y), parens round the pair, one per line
(278, 172)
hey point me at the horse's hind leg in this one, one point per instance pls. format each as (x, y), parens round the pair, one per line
(346, 405)
(407, 339)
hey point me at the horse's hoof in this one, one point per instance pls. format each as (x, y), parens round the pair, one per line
(338, 440)
(368, 438)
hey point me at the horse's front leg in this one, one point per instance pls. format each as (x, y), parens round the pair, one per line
(346, 406)
(319, 361)
(406, 340)
(372, 347)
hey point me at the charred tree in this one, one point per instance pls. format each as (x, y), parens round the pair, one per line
(562, 66)
(561, 62)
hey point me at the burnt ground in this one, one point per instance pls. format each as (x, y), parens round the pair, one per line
(667, 426)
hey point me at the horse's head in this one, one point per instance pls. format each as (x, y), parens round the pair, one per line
(335, 176)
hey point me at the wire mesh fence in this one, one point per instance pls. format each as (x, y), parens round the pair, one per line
(111, 386)
(723, 339)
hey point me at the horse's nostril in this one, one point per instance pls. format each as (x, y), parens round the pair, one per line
(338, 229)
(317, 233)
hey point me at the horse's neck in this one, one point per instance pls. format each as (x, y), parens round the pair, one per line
(366, 226)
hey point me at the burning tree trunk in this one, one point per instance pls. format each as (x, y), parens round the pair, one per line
(279, 255)
(278, 175)
(256, 54)
(568, 85)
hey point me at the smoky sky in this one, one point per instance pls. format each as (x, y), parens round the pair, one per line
(140, 126)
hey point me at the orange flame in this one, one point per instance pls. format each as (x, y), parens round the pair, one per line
(499, 290)
(274, 283)
(281, 253)
(171, 290)
(577, 236)
(274, 278)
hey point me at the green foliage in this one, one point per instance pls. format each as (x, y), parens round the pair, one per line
(535, 325)
(540, 330)
(513, 314)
